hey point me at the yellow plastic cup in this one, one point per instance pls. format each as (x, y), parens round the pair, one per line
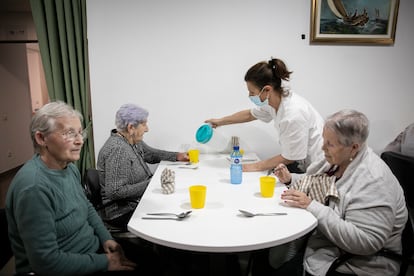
(197, 196)
(267, 186)
(193, 154)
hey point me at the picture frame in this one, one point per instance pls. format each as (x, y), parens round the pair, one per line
(354, 21)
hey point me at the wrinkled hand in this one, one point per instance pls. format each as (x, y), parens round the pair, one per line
(116, 258)
(295, 198)
(282, 173)
(183, 156)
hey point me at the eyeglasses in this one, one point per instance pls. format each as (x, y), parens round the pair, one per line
(71, 135)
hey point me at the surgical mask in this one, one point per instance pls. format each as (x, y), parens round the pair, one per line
(257, 101)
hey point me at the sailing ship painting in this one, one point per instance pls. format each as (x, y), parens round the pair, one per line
(355, 17)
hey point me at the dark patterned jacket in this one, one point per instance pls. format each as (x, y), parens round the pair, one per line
(124, 173)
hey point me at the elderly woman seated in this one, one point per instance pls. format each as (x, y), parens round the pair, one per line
(53, 229)
(362, 208)
(122, 164)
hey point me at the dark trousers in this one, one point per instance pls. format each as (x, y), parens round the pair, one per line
(293, 168)
(189, 263)
(294, 267)
(261, 266)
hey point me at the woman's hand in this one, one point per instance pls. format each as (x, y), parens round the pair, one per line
(214, 122)
(116, 258)
(295, 198)
(282, 173)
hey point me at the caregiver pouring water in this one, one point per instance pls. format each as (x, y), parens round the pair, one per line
(298, 124)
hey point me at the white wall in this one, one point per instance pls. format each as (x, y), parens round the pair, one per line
(185, 62)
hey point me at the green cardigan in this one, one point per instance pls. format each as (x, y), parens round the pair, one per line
(53, 228)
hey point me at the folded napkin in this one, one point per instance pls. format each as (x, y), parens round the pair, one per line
(167, 181)
(317, 186)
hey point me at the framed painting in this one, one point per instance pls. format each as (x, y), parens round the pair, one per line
(354, 21)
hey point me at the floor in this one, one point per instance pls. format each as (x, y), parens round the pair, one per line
(8, 269)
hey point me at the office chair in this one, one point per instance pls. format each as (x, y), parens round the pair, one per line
(92, 190)
(402, 167)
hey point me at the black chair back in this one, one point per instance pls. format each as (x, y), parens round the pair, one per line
(6, 251)
(92, 187)
(402, 166)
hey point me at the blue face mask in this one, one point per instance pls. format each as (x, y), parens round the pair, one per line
(257, 101)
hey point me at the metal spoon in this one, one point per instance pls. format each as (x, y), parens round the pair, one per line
(163, 218)
(180, 215)
(249, 214)
(179, 164)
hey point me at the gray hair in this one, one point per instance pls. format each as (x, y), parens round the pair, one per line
(351, 126)
(130, 114)
(44, 120)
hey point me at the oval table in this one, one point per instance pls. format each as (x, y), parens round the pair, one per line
(218, 227)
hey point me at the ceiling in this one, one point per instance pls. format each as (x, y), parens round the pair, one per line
(15, 6)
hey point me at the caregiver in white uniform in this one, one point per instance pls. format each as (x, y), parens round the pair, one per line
(298, 125)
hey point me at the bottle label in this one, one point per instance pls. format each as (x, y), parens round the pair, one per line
(236, 161)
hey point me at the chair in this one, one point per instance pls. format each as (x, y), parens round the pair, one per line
(92, 190)
(6, 252)
(402, 167)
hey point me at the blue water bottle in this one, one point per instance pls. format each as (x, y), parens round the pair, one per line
(236, 169)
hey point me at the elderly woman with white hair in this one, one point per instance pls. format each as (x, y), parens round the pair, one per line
(53, 228)
(122, 164)
(362, 209)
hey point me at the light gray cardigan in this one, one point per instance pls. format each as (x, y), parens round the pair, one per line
(370, 215)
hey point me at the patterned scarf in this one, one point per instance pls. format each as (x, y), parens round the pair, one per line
(317, 186)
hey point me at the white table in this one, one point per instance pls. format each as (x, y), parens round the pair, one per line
(218, 227)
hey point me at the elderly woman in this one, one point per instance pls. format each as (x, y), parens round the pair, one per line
(362, 210)
(53, 228)
(122, 164)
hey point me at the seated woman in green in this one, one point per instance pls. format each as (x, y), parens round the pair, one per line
(53, 228)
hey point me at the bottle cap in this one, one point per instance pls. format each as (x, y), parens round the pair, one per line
(204, 133)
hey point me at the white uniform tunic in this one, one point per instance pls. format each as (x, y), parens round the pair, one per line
(299, 127)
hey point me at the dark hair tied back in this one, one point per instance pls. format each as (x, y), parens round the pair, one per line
(270, 72)
(279, 70)
(272, 63)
